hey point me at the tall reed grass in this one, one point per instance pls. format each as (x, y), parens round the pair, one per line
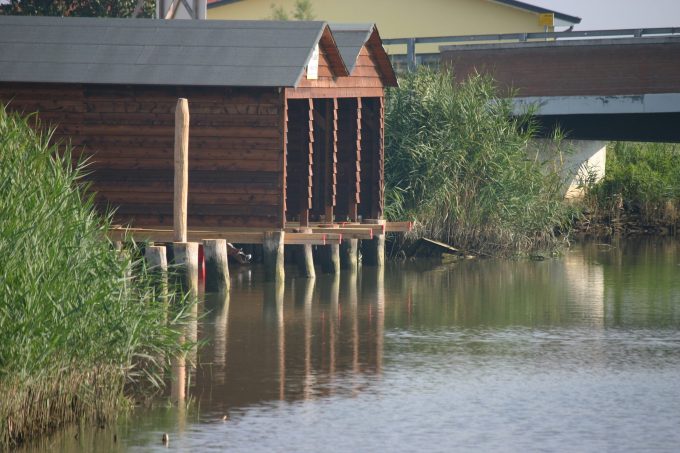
(456, 162)
(79, 322)
(642, 182)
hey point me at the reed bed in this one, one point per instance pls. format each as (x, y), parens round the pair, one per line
(641, 187)
(81, 325)
(457, 164)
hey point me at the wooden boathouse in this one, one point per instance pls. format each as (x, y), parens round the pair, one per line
(286, 119)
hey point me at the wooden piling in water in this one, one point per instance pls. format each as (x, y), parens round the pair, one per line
(349, 254)
(304, 257)
(330, 259)
(216, 265)
(373, 250)
(186, 260)
(157, 262)
(273, 256)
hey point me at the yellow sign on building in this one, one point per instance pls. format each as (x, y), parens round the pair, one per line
(546, 19)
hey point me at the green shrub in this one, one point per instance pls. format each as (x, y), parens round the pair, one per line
(456, 162)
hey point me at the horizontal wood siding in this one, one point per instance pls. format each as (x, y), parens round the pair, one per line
(127, 134)
(575, 70)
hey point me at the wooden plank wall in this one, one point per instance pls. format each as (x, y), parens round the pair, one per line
(127, 132)
(372, 158)
(349, 158)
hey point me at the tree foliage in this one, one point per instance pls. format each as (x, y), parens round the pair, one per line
(80, 8)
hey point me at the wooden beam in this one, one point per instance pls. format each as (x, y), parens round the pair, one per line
(238, 237)
(181, 170)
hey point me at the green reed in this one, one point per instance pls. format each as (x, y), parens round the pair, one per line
(80, 324)
(457, 162)
(642, 180)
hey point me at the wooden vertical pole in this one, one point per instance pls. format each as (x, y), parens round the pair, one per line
(349, 254)
(373, 250)
(216, 265)
(273, 256)
(181, 170)
(186, 259)
(305, 258)
(157, 261)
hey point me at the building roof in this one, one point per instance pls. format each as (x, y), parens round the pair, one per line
(160, 52)
(537, 9)
(350, 38)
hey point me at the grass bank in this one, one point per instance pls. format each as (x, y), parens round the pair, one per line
(456, 162)
(80, 324)
(640, 192)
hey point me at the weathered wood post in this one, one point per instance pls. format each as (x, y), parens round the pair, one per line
(330, 259)
(157, 262)
(186, 253)
(349, 254)
(273, 256)
(186, 260)
(181, 170)
(373, 250)
(305, 258)
(216, 265)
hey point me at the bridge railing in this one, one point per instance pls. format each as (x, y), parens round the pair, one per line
(524, 37)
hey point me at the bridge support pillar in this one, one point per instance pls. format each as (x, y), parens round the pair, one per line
(582, 162)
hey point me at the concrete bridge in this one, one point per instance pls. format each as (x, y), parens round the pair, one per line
(596, 86)
(605, 88)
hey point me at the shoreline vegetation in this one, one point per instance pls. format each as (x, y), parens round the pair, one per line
(82, 326)
(456, 163)
(640, 193)
(462, 168)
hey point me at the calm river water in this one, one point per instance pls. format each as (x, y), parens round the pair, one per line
(579, 353)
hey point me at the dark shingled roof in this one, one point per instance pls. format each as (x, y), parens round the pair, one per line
(351, 37)
(159, 52)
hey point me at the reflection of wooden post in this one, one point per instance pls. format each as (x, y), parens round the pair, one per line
(181, 170)
(281, 327)
(221, 300)
(380, 317)
(179, 377)
(308, 298)
(334, 320)
(216, 267)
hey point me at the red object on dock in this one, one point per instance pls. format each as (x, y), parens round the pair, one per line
(201, 263)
